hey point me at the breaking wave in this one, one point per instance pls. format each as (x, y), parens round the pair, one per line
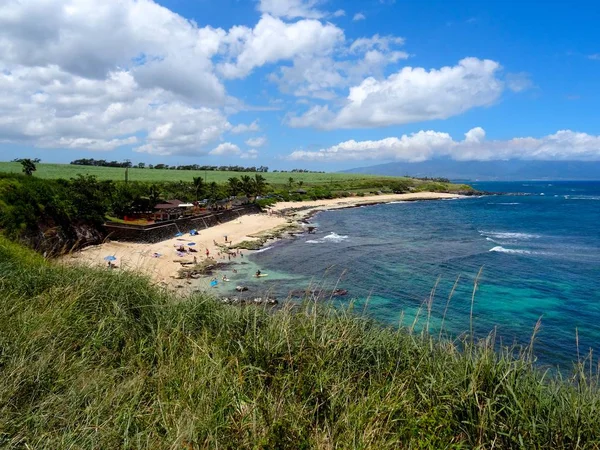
(263, 249)
(501, 249)
(509, 235)
(331, 237)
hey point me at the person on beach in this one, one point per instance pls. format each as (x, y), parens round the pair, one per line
(195, 260)
(207, 253)
(225, 238)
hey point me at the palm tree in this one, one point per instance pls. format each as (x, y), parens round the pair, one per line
(247, 186)
(213, 192)
(234, 186)
(28, 166)
(290, 182)
(199, 186)
(153, 195)
(300, 183)
(260, 184)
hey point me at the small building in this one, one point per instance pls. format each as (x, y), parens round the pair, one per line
(169, 210)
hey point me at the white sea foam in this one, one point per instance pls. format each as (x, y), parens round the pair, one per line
(334, 237)
(331, 237)
(499, 203)
(509, 235)
(582, 197)
(501, 249)
(263, 249)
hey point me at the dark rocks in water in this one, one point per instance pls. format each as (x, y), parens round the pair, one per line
(487, 193)
(249, 301)
(318, 293)
(241, 288)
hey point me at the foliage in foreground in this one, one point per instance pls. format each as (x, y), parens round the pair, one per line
(99, 359)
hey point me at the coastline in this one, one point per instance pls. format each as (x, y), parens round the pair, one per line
(281, 218)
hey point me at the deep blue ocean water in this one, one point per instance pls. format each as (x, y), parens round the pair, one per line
(540, 255)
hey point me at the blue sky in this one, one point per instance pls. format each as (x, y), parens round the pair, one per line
(315, 84)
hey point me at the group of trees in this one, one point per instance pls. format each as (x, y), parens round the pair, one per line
(127, 164)
(251, 187)
(300, 171)
(101, 163)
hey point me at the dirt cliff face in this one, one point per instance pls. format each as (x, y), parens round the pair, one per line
(53, 240)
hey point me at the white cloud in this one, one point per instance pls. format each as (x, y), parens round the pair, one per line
(273, 40)
(339, 13)
(225, 149)
(359, 16)
(256, 142)
(323, 76)
(595, 56)
(243, 128)
(424, 145)
(49, 108)
(518, 82)
(291, 9)
(250, 154)
(158, 47)
(86, 75)
(375, 42)
(411, 95)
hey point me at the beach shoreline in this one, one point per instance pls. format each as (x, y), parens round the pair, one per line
(161, 261)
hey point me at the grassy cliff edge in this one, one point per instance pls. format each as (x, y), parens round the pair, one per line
(99, 359)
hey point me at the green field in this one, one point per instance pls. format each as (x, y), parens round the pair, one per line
(67, 171)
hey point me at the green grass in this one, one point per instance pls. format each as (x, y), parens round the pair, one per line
(102, 359)
(67, 171)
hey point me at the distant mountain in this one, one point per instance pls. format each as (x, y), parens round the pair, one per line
(489, 170)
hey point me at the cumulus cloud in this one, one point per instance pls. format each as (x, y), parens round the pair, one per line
(151, 41)
(136, 75)
(256, 142)
(250, 154)
(291, 9)
(424, 145)
(226, 149)
(245, 128)
(273, 40)
(359, 16)
(339, 13)
(323, 76)
(411, 95)
(518, 82)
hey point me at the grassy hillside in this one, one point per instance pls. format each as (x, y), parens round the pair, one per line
(98, 359)
(67, 171)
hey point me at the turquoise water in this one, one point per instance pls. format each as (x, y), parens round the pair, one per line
(539, 255)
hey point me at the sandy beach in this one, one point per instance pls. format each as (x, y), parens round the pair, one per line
(161, 260)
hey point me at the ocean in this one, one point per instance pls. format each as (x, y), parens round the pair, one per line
(539, 256)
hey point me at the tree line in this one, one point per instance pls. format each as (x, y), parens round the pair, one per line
(127, 164)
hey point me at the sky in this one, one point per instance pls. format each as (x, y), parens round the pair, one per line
(315, 84)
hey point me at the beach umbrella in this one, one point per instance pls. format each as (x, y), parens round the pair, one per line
(191, 243)
(110, 258)
(179, 233)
